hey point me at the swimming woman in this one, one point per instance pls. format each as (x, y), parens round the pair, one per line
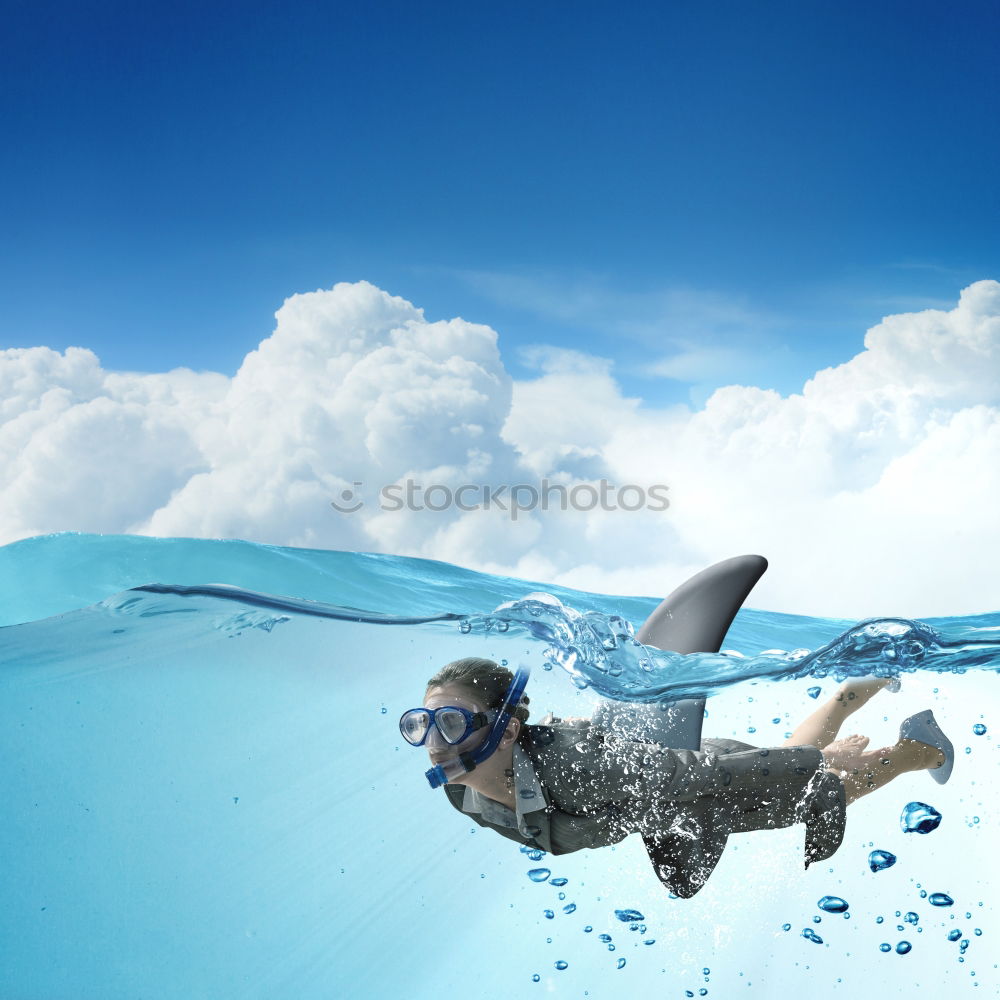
(565, 785)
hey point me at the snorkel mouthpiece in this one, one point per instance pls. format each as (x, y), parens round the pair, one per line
(449, 770)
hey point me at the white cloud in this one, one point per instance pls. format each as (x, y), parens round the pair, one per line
(872, 490)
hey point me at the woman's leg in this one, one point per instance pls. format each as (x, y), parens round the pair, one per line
(820, 729)
(863, 771)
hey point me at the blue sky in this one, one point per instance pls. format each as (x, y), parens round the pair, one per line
(750, 186)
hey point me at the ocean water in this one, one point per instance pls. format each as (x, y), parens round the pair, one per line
(204, 792)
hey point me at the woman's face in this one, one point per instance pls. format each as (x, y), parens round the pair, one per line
(460, 697)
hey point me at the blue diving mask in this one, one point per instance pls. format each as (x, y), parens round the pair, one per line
(456, 725)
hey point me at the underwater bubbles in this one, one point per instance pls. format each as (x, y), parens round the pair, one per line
(940, 899)
(810, 935)
(903, 947)
(880, 860)
(628, 916)
(539, 874)
(919, 817)
(832, 904)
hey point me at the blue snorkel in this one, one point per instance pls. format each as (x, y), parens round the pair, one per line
(464, 763)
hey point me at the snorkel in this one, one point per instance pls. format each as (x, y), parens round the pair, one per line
(464, 763)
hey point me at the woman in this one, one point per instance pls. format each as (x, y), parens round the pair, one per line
(565, 785)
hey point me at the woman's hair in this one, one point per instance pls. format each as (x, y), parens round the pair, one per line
(484, 679)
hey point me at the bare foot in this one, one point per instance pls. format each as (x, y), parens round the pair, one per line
(845, 754)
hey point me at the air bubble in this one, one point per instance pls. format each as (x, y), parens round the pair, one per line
(919, 817)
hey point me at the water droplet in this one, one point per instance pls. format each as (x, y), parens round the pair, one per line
(604, 937)
(649, 941)
(885, 946)
(628, 916)
(611, 947)
(703, 992)
(879, 920)
(979, 729)
(621, 963)
(559, 881)
(813, 692)
(569, 908)
(560, 965)
(911, 917)
(903, 947)
(549, 915)
(832, 904)
(919, 817)
(536, 978)
(810, 935)
(940, 899)
(786, 927)
(978, 932)
(954, 935)
(384, 710)
(880, 860)
(751, 729)
(817, 920)
(587, 929)
(562, 895)
(705, 972)
(539, 874)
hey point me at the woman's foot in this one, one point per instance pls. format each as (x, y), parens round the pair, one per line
(846, 755)
(863, 771)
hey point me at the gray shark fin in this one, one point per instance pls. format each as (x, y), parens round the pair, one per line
(694, 618)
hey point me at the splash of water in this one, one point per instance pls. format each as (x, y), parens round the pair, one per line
(601, 652)
(598, 650)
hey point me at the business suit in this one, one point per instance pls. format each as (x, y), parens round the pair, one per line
(598, 789)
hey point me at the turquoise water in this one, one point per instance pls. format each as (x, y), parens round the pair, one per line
(205, 793)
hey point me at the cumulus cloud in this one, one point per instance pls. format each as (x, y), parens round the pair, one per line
(872, 490)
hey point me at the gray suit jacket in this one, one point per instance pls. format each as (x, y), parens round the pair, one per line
(598, 789)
